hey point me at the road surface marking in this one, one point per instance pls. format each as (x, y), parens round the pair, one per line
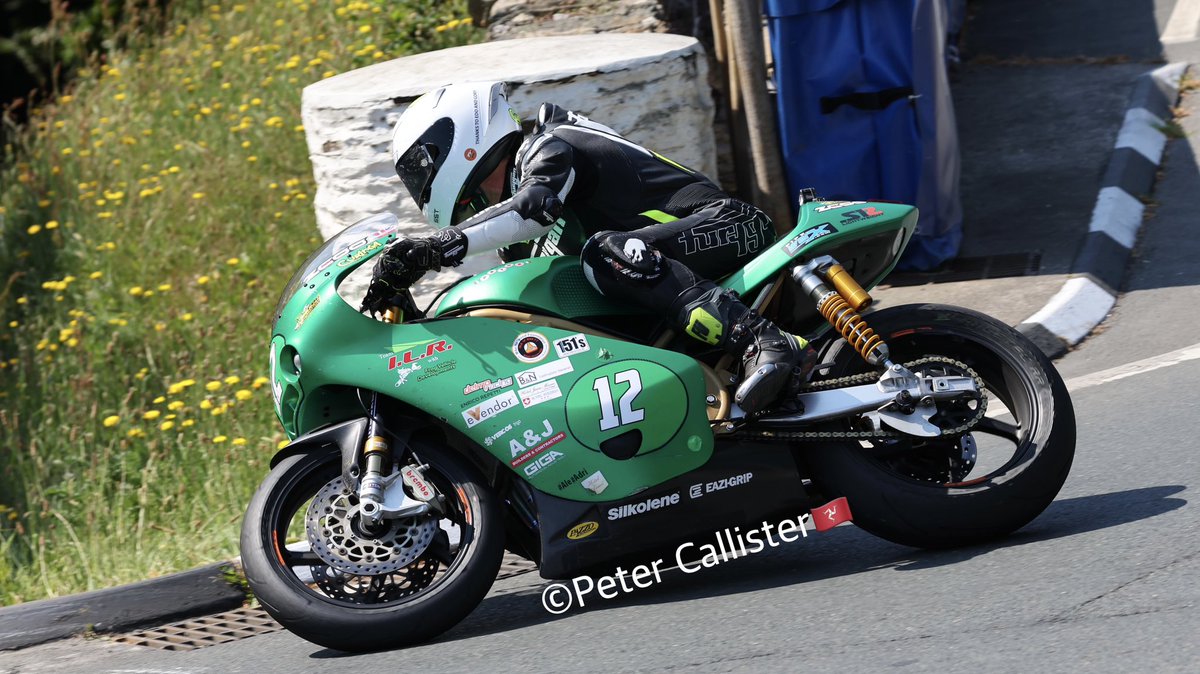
(1184, 22)
(1136, 367)
(1074, 384)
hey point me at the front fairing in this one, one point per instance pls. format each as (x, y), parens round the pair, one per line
(527, 395)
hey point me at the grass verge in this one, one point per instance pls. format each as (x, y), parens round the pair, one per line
(148, 219)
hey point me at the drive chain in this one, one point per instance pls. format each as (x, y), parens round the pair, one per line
(882, 434)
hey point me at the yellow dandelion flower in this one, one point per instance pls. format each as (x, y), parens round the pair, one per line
(151, 415)
(187, 423)
(219, 439)
(136, 433)
(233, 261)
(34, 229)
(137, 291)
(243, 394)
(232, 379)
(217, 411)
(22, 300)
(260, 382)
(202, 280)
(175, 405)
(239, 441)
(364, 29)
(160, 400)
(159, 327)
(166, 425)
(95, 275)
(111, 421)
(119, 97)
(53, 224)
(206, 404)
(186, 317)
(212, 385)
(197, 195)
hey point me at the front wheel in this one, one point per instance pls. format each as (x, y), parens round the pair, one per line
(956, 490)
(322, 575)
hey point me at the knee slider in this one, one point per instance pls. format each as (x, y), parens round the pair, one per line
(623, 254)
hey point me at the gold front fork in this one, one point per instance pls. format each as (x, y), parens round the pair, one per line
(376, 452)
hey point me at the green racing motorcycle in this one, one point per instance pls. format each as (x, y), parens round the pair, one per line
(526, 412)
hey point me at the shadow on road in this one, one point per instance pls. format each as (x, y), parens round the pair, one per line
(844, 551)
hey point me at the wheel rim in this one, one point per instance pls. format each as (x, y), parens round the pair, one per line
(1003, 439)
(305, 569)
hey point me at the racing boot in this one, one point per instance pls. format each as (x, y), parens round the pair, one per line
(771, 358)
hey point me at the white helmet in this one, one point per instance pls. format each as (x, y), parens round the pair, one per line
(448, 141)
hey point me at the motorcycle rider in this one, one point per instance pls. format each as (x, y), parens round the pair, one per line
(659, 231)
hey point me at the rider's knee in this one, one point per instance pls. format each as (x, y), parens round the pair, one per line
(615, 259)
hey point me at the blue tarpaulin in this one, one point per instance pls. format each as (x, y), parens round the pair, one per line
(865, 110)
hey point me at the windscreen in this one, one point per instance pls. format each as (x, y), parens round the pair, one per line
(353, 238)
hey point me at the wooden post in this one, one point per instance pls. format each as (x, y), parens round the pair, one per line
(747, 61)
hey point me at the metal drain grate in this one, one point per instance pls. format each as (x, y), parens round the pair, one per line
(514, 566)
(972, 269)
(189, 635)
(244, 623)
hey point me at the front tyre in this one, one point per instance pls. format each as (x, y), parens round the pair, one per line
(944, 492)
(362, 610)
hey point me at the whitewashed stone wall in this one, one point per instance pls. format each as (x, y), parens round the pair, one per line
(652, 88)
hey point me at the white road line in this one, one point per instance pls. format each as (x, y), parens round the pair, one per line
(1074, 384)
(1184, 22)
(1136, 367)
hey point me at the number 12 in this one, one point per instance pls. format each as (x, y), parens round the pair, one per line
(609, 418)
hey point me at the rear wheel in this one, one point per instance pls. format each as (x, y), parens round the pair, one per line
(324, 576)
(961, 489)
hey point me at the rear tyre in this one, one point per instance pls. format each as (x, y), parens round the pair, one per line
(365, 612)
(924, 493)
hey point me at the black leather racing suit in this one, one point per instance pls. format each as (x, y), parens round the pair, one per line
(656, 229)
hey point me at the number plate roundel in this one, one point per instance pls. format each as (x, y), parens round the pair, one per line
(624, 396)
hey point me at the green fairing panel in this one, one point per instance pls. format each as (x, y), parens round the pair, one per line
(835, 228)
(553, 285)
(544, 413)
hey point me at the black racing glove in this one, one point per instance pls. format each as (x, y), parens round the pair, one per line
(406, 261)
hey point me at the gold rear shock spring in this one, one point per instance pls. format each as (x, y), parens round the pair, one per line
(853, 327)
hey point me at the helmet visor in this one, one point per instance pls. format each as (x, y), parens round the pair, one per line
(416, 170)
(420, 162)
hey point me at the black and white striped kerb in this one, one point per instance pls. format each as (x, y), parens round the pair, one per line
(1099, 267)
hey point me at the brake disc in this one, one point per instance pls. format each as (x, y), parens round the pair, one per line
(336, 536)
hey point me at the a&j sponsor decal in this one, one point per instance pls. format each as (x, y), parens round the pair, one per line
(533, 444)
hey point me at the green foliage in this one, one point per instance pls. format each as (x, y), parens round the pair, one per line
(148, 220)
